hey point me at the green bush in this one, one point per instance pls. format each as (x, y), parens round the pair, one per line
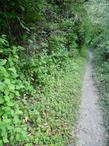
(101, 77)
(40, 82)
(11, 130)
(39, 101)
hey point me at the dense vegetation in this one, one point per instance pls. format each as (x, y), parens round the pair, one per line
(42, 55)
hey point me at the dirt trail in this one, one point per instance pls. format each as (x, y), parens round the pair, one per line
(90, 128)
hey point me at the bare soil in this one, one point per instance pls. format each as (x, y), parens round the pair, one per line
(90, 129)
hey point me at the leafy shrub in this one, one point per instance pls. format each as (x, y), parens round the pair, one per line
(38, 99)
(40, 82)
(101, 77)
(11, 129)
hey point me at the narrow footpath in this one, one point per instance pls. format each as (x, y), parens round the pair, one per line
(90, 130)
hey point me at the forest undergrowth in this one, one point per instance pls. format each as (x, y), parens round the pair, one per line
(42, 57)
